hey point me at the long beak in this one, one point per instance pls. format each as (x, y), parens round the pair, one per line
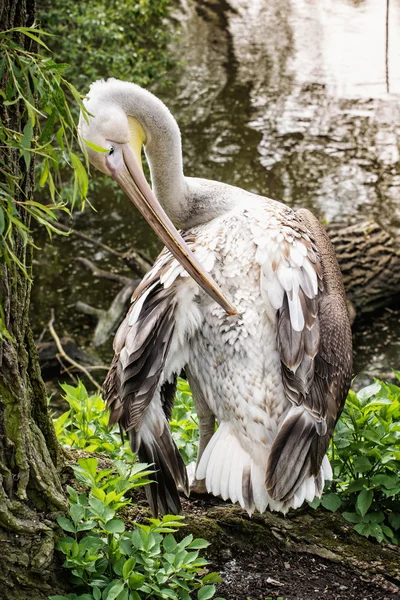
(131, 179)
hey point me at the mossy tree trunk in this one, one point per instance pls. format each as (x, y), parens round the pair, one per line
(30, 489)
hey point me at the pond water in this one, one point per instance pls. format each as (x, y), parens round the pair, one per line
(294, 99)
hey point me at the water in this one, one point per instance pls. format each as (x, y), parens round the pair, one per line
(294, 99)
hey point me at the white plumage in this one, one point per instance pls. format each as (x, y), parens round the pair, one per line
(274, 373)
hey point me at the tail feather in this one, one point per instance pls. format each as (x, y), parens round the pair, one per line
(289, 462)
(230, 472)
(155, 446)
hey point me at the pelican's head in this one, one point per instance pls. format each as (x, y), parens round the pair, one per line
(113, 134)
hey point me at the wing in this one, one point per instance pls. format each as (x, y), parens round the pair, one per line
(302, 283)
(139, 389)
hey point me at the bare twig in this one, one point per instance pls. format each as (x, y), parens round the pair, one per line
(137, 261)
(65, 356)
(86, 237)
(87, 309)
(104, 274)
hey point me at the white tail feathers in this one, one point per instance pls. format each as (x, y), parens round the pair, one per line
(231, 473)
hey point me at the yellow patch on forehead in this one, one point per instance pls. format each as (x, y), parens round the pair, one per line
(137, 138)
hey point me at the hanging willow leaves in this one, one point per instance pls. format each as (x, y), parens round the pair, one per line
(37, 83)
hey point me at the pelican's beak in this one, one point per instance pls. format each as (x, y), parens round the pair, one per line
(132, 180)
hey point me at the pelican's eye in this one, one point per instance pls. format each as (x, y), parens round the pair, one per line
(111, 150)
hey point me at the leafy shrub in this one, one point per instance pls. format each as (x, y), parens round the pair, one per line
(184, 423)
(85, 425)
(106, 560)
(365, 457)
(110, 562)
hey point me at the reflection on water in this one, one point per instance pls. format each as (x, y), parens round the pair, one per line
(342, 43)
(287, 98)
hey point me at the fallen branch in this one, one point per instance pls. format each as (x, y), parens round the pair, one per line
(88, 238)
(109, 319)
(134, 259)
(104, 274)
(62, 354)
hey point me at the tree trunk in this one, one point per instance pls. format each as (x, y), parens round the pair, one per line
(369, 259)
(30, 488)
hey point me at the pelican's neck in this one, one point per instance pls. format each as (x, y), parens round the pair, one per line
(187, 202)
(163, 151)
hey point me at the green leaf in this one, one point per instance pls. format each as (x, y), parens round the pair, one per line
(89, 467)
(114, 590)
(96, 147)
(394, 520)
(361, 464)
(315, 503)
(169, 543)
(363, 529)
(364, 501)
(136, 580)
(26, 142)
(331, 502)
(206, 592)
(28, 32)
(86, 525)
(101, 510)
(91, 543)
(212, 578)
(77, 513)
(115, 526)
(66, 524)
(198, 544)
(388, 481)
(387, 531)
(81, 174)
(48, 128)
(369, 391)
(352, 517)
(2, 221)
(128, 567)
(357, 485)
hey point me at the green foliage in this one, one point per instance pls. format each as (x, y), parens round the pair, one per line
(109, 38)
(38, 85)
(85, 425)
(109, 561)
(95, 40)
(365, 457)
(184, 424)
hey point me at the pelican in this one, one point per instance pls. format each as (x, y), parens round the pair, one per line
(247, 299)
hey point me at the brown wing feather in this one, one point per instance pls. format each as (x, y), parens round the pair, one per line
(138, 400)
(316, 370)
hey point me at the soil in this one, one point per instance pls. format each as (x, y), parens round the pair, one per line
(295, 576)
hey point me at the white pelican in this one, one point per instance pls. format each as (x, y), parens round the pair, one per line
(265, 343)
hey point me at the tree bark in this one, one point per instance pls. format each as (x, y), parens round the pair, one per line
(369, 259)
(30, 488)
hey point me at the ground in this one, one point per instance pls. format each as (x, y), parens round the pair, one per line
(306, 555)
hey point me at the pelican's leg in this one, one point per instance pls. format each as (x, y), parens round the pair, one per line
(206, 431)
